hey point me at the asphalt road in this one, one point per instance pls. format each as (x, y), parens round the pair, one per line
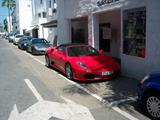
(21, 98)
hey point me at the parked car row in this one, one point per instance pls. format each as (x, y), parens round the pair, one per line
(35, 46)
(84, 63)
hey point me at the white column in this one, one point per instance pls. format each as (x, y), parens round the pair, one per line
(90, 30)
(95, 30)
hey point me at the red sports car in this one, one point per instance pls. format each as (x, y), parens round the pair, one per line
(81, 62)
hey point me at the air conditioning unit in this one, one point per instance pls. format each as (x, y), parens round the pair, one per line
(50, 13)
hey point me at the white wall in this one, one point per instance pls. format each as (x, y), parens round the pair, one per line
(9, 21)
(153, 36)
(25, 14)
(64, 25)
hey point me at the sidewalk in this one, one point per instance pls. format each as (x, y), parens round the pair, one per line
(120, 88)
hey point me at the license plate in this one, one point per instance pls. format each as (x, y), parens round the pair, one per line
(107, 73)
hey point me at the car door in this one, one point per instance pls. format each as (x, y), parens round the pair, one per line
(29, 46)
(60, 57)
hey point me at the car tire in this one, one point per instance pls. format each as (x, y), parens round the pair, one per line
(27, 49)
(19, 47)
(32, 51)
(68, 71)
(152, 105)
(47, 61)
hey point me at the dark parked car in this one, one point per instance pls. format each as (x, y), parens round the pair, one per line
(149, 94)
(23, 42)
(37, 46)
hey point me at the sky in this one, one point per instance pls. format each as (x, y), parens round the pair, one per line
(3, 12)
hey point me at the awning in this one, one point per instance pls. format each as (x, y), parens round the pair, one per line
(32, 27)
(50, 24)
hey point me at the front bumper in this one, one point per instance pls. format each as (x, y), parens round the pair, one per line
(38, 52)
(84, 75)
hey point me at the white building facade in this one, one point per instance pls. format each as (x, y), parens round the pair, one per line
(125, 29)
(44, 23)
(22, 16)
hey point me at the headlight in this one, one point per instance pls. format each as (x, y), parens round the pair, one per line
(25, 44)
(36, 47)
(81, 64)
(144, 79)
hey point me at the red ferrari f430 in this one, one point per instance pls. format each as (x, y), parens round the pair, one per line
(81, 62)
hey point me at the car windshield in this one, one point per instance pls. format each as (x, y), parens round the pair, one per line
(25, 39)
(82, 51)
(36, 41)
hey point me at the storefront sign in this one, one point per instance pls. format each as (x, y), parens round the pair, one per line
(104, 2)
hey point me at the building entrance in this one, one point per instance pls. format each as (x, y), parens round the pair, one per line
(110, 32)
(79, 32)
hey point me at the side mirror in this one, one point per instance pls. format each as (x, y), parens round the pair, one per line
(101, 51)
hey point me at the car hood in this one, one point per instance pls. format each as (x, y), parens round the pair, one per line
(154, 74)
(97, 62)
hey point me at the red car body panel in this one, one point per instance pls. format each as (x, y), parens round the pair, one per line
(95, 64)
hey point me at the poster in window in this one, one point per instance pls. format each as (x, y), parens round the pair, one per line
(106, 32)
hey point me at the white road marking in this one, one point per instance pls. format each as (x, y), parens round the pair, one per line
(33, 89)
(115, 103)
(125, 114)
(44, 110)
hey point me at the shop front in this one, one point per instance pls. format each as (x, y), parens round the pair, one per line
(124, 29)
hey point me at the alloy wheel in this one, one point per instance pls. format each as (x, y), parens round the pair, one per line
(47, 61)
(153, 106)
(69, 73)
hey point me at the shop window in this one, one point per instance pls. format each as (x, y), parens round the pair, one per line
(54, 10)
(44, 14)
(39, 15)
(134, 32)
